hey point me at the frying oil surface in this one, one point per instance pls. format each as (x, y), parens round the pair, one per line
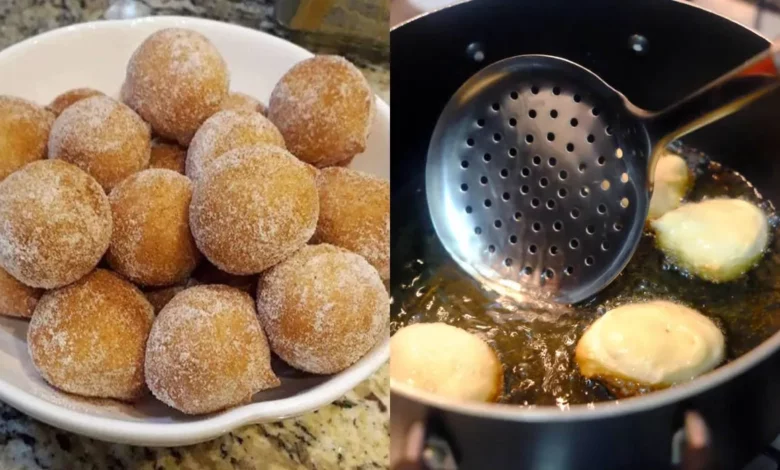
(536, 345)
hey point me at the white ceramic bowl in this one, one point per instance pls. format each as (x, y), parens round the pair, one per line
(95, 55)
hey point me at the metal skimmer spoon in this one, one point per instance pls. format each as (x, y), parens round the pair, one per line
(539, 174)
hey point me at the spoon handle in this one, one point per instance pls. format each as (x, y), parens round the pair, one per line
(719, 98)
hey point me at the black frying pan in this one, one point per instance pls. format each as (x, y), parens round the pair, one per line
(685, 47)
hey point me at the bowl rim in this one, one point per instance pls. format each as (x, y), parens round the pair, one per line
(203, 428)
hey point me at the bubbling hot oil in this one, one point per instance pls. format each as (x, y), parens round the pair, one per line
(536, 344)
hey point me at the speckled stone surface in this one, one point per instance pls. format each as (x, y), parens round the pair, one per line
(352, 433)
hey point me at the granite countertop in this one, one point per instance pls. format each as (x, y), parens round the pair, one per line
(353, 432)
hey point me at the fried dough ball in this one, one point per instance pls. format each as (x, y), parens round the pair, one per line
(207, 352)
(447, 361)
(225, 131)
(103, 137)
(355, 214)
(646, 346)
(673, 180)
(16, 299)
(717, 240)
(252, 208)
(167, 156)
(236, 101)
(89, 338)
(151, 243)
(324, 108)
(24, 131)
(71, 96)
(175, 80)
(323, 308)
(56, 224)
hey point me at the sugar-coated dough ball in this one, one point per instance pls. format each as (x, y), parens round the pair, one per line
(56, 224)
(207, 352)
(24, 131)
(89, 338)
(445, 360)
(167, 156)
(242, 102)
(228, 130)
(151, 243)
(717, 240)
(323, 308)
(649, 345)
(673, 179)
(175, 80)
(58, 105)
(103, 137)
(324, 108)
(355, 214)
(16, 299)
(252, 208)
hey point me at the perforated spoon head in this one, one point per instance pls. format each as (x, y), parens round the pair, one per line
(538, 176)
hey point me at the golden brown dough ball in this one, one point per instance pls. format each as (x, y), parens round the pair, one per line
(207, 273)
(89, 338)
(103, 137)
(24, 131)
(324, 108)
(228, 130)
(151, 243)
(16, 299)
(355, 214)
(175, 80)
(236, 101)
(253, 207)
(56, 224)
(71, 96)
(167, 156)
(207, 352)
(323, 308)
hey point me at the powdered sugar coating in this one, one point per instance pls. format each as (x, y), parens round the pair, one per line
(16, 299)
(252, 208)
(225, 131)
(175, 80)
(207, 352)
(62, 101)
(324, 108)
(236, 101)
(24, 131)
(103, 137)
(89, 338)
(322, 308)
(355, 214)
(151, 243)
(55, 224)
(167, 156)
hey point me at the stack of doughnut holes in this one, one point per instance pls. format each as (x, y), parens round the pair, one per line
(170, 241)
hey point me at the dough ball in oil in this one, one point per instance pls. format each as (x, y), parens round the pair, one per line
(651, 345)
(447, 361)
(673, 180)
(717, 240)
